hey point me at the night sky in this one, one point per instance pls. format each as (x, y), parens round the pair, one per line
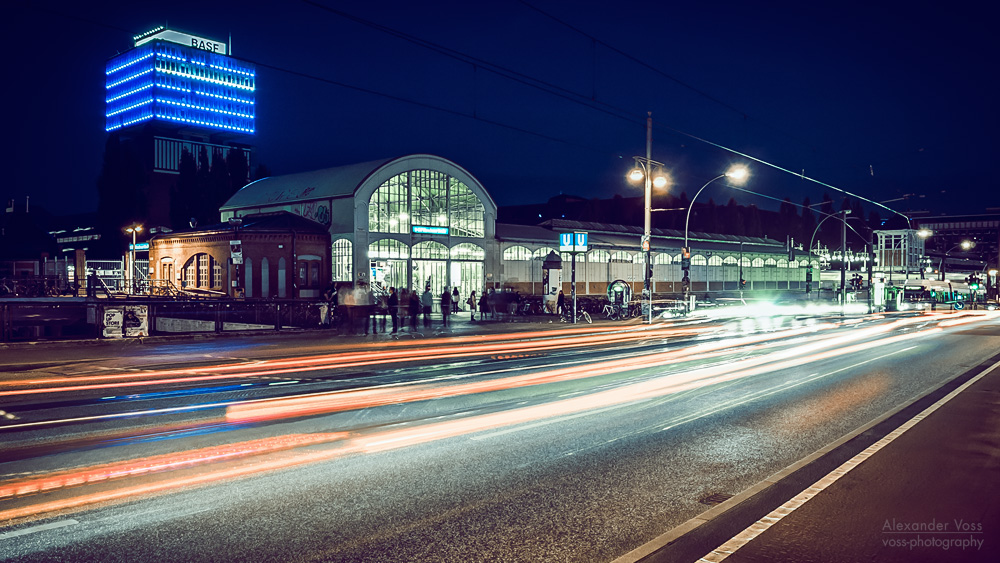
(549, 97)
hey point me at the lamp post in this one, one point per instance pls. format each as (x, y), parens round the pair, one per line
(651, 178)
(130, 278)
(965, 245)
(738, 174)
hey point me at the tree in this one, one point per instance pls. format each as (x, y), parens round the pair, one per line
(120, 193)
(185, 192)
(239, 170)
(220, 188)
(262, 171)
(733, 219)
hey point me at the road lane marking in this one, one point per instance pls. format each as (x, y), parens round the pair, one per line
(544, 422)
(739, 540)
(41, 528)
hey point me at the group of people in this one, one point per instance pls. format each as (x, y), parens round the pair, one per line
(357, 309)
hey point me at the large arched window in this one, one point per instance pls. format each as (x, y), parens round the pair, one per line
(342, 259)
(729, 260)
(388, 249)
(598, 256)
(541, 253)
(426, 198)
(698, 260)
(757, 263)
(468, 216)
(202, 271)
(467, 251)
(715, 260)
(389, 207)
(662, 258)
(567, 257)
(516, 253)
(430, 250)
(623, 257)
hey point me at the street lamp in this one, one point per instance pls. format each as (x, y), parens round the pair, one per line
(130, 279)
(965, 245)
(737, 174)
(651, 172)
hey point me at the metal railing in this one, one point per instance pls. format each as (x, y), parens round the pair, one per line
(68, 318)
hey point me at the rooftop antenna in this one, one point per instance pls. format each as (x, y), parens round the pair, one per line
(229, 47)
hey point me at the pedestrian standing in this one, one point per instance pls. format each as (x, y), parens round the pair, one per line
(393, 304)
(414, 305)
(455, 301)
(560, 303)
(404, 306)
(484, 305)
(427, 302)
(445, 306)
(471, 302)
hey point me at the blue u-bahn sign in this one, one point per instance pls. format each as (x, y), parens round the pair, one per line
(573, 242)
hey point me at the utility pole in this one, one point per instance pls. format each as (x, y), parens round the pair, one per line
(843, 260)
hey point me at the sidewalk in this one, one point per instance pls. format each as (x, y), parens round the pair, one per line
(927, 491)
(459, 324)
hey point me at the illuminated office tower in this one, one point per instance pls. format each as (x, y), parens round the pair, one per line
(174, 92)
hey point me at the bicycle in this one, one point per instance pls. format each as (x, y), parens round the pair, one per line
(580, 314)
(614, 312)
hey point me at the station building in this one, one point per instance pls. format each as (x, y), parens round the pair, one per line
(422, 220)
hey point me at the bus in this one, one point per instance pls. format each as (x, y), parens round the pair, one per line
(930, 294)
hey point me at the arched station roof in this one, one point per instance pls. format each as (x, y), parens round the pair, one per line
(346, 181)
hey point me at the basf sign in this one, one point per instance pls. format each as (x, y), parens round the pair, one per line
(184, 39)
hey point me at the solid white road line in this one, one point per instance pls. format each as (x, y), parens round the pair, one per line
(40, 528)
(739, 540)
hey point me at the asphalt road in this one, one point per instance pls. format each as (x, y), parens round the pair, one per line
(542, 448)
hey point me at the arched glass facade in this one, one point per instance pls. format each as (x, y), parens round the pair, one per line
(426, 199)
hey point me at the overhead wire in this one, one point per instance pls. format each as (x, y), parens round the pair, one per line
(552, 89)
(575, 97)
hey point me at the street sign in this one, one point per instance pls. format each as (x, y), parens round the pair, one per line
(236, 251)
(573, 242)
(645, 243)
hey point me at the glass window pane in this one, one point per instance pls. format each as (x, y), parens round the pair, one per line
(429, 198)
(343, 256)
(389, 206)
(466, 211)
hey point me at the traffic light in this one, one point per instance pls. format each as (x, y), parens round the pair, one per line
(685, 258)
(743, 283)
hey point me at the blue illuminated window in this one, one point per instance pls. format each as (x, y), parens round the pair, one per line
(179, 84)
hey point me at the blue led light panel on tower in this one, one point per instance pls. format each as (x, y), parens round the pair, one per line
(182, 80)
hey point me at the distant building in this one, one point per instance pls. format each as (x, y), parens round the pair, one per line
(270, 255)
(175, 92)
(944, 245)
(422, 220)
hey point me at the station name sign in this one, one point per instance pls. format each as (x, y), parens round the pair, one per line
(573, 242)
(187, 40)
(425, 230)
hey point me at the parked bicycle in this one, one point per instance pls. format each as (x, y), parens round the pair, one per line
(614, 312)
(581, 315)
